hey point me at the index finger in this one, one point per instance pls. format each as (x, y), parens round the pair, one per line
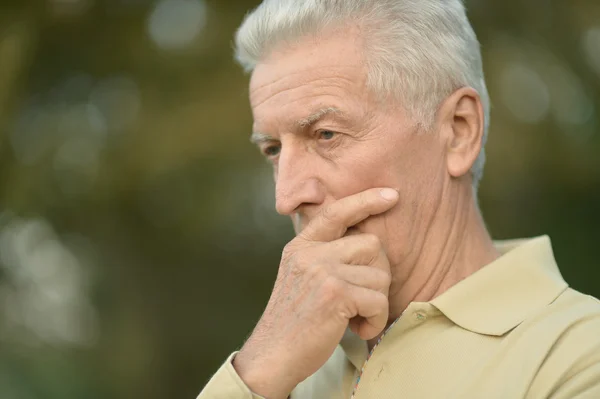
(333, 221)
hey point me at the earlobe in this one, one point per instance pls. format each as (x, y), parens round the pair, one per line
(465, 126)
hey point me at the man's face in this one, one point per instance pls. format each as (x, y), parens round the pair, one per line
(329, 137)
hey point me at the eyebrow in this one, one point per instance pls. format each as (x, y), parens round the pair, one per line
(258, 137)
(316, 116)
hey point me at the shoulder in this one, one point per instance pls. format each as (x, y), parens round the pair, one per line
(570, 327)
(575, 310)
(572, 320)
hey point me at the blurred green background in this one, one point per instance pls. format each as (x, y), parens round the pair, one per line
(138, 238)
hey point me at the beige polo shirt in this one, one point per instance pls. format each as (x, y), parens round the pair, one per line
(511, 330)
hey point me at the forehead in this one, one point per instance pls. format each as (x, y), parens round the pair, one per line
(315, 72)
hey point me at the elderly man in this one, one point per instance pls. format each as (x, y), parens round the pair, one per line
(374, 114)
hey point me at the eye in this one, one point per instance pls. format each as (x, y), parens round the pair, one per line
(326, 134)
(272, 150)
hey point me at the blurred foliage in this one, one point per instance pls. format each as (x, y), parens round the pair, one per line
(138, 240)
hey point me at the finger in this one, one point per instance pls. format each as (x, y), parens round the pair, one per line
(333, 221)
(372, 310)
(362, 249)
(364, 276)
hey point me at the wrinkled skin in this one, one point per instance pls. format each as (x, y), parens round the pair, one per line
(358, 260)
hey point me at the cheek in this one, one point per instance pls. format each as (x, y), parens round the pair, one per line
(367, 169)
(393, 229)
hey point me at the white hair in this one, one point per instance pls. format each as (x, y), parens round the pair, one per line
(417, 51)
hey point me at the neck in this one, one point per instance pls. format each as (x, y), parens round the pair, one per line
(455, 245)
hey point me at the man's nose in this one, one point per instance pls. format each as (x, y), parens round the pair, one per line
(296, 181)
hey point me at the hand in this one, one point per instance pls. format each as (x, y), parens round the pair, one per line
(326, 282)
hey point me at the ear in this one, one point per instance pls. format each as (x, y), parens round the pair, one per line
(462, 122)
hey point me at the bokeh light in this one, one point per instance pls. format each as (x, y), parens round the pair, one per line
(138, 236)
(175, 24)
(44, 293)
(525, 93)
(591, 47)
(571, 104)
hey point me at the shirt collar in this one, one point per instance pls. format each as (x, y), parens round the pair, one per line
(501, 295)
(496, 298)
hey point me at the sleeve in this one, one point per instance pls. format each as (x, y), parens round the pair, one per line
(583, 385)
(227, 384)
(576, 359)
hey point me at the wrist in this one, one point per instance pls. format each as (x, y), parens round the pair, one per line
(268, 379)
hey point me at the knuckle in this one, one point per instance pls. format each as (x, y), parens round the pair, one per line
(388, 278)
(296, 269)
(313, 271)
(332, 288)
(305, 264)
(288, 250)
(289, 257)
(381, 301)
(291, 261)
(300, 267)
(293, 250)
(385, 278)
(372, 242)
(329, 214)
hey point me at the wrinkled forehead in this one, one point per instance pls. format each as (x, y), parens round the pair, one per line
(317, 60)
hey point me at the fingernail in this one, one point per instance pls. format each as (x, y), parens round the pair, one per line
(389, 194)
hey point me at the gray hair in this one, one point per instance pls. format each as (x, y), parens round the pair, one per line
(417, 51)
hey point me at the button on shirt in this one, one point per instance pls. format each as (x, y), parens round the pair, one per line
(514, 329)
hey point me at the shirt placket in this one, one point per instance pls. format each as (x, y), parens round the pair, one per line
(408, 319)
